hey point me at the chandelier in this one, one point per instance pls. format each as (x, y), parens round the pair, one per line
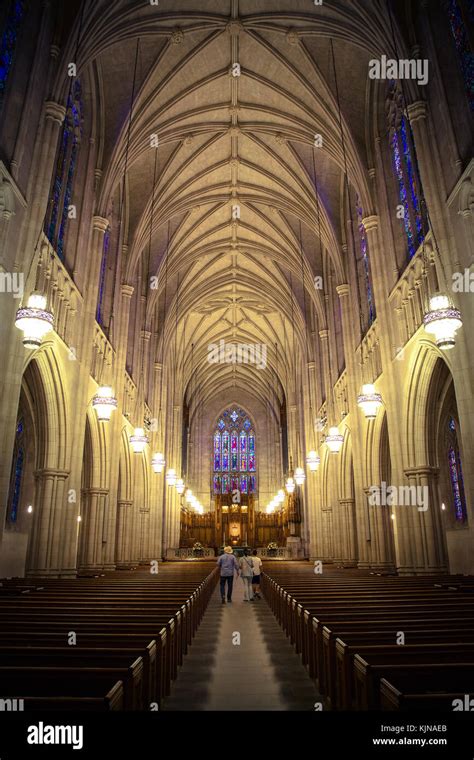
(369, 401)
(104, 403)
(158, 463)
(334, 440)
(313, 461)
(34, 320)
(171, 477)
(442, 321)
(138, 440)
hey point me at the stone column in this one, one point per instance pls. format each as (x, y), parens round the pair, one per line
(92, 527)
(124, 508)
(45, 538)
(349, 534)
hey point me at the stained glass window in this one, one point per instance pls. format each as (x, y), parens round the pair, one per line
(461, 40)
(9, 40)
(234, 452)
(407, 175)
(17, 473)
(66, 163)
(364, 249)
(103, 269)
(455, 473)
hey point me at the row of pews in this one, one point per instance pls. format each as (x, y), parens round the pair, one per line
(107, 643)
(378, 642)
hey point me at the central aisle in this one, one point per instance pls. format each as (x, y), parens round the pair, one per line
(263, 672)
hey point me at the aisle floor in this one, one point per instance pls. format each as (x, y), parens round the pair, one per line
(263, 672)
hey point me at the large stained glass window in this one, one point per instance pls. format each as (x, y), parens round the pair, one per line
(459, 22)
(60, 211)
(17, 473)
(455, 472)
(406, 174)
(103, 271)
(234, 455)
(364, 263)
(8, 41)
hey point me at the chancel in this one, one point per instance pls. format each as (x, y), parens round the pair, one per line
(236, 384)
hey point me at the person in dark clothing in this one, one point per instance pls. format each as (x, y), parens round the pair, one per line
(228, 565)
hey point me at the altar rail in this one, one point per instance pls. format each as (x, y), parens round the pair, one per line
(180, 554)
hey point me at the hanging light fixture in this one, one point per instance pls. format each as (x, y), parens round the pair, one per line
(171, 477)
(290, 485)
(442, 321)
(369, 401)
(104, 402)
(334, 440)
(34, 320)
(281, 496)
(138, 441)
(313, 461)
(180, 486)
(188, 496)
(300, 476)
(158, 463)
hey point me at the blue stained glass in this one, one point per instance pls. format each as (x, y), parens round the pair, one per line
(243, 484)
(457, 484)
(452, 424)
(9, 40)
(217, 484)
(403, 194)
(233, 451)
(225, 484)
(365, 260)
(247, 425)
(225, 451)
(19, 427)
(252, 484)
(103, 270)
(65, 171)
(463, 47)
(412, 181)
(17, 485)
(221, 424)
(234, 416)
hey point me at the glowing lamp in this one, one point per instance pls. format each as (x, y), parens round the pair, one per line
(369, 401)
(188, 496)
(180, 486)
(334, 440)
(171, 477)
(290, 485)
(104, 403)
(442, 321)
(281, 496)
(300, 477)
(313, 461)
(158, 463)
(138, 441)
(34, 321)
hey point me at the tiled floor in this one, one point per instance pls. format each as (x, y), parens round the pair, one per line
(263, 672)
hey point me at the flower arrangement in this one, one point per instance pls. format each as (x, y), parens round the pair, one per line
(198, 545)
(272, 546)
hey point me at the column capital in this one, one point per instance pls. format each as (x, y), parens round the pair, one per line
(370, 223)
(100, 223)
(54, 111)
(158, 366)
(127, 290)
(95, 491)
(145, 335)
(49, 472)
(417, 110)
(342, 290)
(324, 334)
(124, 503)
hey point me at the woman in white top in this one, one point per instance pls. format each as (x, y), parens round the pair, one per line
(246, 573)
(257, 569)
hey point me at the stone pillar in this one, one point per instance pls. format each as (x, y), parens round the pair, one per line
(123, 555)
(324, 334)
(92, 528)
(348, 533)
(45, 539)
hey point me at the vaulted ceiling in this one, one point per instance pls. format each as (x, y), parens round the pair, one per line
(229, 141)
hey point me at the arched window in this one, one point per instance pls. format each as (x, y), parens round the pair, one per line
(363, 264)
(460, 17)
(406, 173)
(103, 270)
(8, 42)
(66, 162)
(455, 472)
(16, 478)
(234, 463)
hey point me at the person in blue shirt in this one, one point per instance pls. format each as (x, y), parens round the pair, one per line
(228, 565)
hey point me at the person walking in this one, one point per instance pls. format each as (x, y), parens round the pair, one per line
(228, 565)
(257, 569)
(246, 572)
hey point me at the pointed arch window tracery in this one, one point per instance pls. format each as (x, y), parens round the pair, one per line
(234, 454)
